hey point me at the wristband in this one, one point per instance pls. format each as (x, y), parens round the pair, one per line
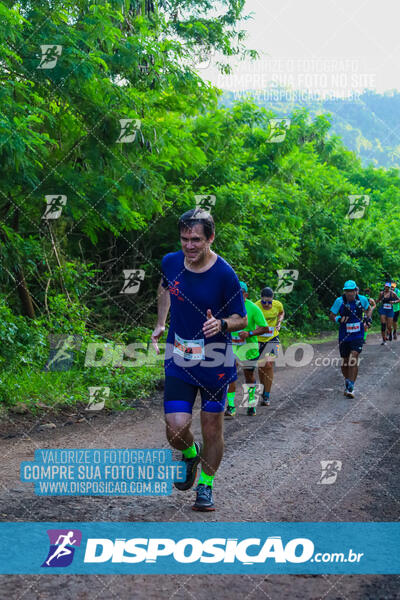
(251, 333)
(337, 319)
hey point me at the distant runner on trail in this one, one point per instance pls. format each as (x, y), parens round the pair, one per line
(396, 309)
(372, 303)
(348, 310)
(203, 295)
(245, 347)
(387, 298)
(269, 343)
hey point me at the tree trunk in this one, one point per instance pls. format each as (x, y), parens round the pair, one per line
(23, 293)
(22, 288)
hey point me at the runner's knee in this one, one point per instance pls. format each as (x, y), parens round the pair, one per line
(177, 425)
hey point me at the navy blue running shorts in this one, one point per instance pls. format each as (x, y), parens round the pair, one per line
(346, 347)
(388, 312)
(179, 396)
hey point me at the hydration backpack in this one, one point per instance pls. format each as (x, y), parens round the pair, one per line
(346, 311)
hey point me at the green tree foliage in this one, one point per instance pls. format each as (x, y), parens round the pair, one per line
(278, 205)
(368, 124)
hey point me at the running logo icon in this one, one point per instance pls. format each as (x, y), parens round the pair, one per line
(62, 352)
(202, 60)
(129, 128)
(357, 206)
(277, 130)
(252, 393)
(133, 279)
(62, 547)
(97, 397)
(54, 206)
(50, 54)
(205, 202)
(330, 470)
(287, 279)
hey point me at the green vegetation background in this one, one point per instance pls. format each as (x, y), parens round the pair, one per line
(278, 205)
(367, 124)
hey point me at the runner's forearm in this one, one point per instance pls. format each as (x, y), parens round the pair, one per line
(260, 330)
(236, 323)
(163, 304)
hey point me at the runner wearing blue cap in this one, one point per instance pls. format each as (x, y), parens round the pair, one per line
(348, 310)
(386, 299)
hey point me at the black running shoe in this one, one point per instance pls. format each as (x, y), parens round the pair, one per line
(191, 470)
(230, 412)
(204, 500)
(251, 411)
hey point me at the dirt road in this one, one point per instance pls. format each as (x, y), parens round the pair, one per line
(270, 472)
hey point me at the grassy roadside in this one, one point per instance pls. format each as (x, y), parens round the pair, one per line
(27, 388)
(316, 338)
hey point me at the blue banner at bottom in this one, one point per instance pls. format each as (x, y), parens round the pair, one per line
(195, 548)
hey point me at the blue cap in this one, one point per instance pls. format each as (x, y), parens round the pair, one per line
(388, 284)
(350, 285)
(243, 285)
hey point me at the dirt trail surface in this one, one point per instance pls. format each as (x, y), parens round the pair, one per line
(270, 472)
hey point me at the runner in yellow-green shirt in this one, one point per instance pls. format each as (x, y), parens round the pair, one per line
(269, 344)
(396, 310)
(245, 347)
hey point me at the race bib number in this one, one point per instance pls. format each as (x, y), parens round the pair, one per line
(236, 339)
(387, 306)
(353, 327)
(189, 349)
(271, 331)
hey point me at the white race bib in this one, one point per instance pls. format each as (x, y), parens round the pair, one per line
(237, 340)
(189, 349)
(353, 327)
(387, 306)
(270, 331)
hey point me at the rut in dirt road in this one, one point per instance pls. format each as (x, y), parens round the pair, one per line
(271, 471)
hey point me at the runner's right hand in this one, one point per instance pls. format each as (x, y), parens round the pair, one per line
(155, 336)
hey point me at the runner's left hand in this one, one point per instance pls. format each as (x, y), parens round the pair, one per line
(212, 326)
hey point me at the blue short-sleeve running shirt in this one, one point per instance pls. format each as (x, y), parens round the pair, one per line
(207, 362)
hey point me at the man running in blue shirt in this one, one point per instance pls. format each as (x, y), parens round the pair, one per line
(348, 310)
(203, 295)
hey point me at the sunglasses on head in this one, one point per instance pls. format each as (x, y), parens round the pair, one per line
(266, 301)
